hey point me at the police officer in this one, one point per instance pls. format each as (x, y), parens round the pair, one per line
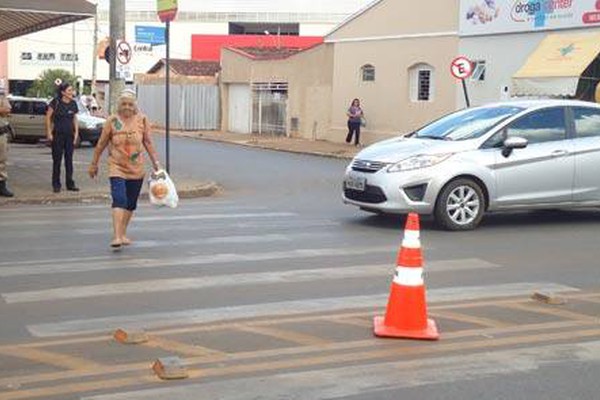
(4, 131)
(62, 130)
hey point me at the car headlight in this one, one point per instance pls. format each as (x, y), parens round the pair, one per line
(418, 162)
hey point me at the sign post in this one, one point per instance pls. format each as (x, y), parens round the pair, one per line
(167, 10)
(462, 68)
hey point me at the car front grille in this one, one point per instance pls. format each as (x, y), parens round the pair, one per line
(369, 167)
(371, 195)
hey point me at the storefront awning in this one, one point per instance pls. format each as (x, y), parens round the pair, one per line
(555, 67)
(19, 17)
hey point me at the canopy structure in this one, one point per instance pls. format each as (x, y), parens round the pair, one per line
(20, 17)
(558, 65)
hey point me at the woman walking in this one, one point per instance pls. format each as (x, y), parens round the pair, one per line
(126, 134)
(62, 130)
(355, 115)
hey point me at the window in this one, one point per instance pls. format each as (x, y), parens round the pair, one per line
(26, 56)
(19, 107)
(424, 91)
(39, 108)
(542, 126)
(479, 69)
(69, 57)
(421, 82)
(368, 73)
(467, 124)
(46, 56)
(587, 122)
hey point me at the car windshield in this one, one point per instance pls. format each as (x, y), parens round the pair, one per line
(467, 124)
(82, 110)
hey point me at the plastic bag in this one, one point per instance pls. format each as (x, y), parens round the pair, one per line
(161, 190)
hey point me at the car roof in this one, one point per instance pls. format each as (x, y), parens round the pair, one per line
(538, 103)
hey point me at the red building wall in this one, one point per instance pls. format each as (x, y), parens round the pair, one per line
(208, 47)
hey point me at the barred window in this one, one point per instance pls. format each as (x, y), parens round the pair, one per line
(46, 57)
(368, 73)
(69, 57)
(422, 84)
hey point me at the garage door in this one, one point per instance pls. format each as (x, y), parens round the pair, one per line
(240, 108)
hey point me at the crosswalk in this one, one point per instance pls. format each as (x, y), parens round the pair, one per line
(209, 262)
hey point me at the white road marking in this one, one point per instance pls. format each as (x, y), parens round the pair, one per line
(351, 381)
(209, 315)
(166, 217)
(211, 259)
(229, 280)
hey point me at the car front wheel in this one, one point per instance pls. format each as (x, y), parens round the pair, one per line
(460, 205)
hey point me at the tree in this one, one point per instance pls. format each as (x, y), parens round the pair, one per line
(45, 85)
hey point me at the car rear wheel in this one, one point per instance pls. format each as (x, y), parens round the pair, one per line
(460, 205)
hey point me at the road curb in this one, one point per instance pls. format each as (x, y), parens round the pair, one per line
(263, 147)
(208, 189)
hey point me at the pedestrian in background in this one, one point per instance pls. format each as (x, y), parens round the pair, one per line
(126, 134)
(62, 130)
(355, 115)
(4, 132)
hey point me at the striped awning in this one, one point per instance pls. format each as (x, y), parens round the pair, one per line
(18, 17)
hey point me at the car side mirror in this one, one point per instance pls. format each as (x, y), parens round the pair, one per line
(513, 143)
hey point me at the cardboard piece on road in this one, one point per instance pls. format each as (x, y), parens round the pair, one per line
(128, 336)
(548, 298)
(168, 368)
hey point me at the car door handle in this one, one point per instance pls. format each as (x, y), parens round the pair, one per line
(559, 153)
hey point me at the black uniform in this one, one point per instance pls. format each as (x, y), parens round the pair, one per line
(64, 134)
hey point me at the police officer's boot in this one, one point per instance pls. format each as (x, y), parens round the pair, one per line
(4, 192)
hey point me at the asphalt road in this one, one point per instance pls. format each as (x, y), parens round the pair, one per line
(268, 292)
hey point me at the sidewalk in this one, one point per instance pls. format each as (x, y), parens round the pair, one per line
(278, 143)
(30, 171)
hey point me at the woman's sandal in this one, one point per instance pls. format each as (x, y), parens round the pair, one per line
(115, 245)
(126, 242)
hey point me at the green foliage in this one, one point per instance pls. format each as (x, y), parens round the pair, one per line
(45, 85)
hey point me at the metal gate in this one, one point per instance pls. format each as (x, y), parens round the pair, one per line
(269, 108)
(193, 107)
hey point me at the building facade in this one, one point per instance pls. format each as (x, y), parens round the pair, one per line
(71, 47)
(500, 37)
(394, 56)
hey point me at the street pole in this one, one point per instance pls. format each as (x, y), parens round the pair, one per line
(73, 50)
(117, 31)
(95, 53)
(466, 93)
(167, 96)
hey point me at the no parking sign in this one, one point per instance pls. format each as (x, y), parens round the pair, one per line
(462, 68)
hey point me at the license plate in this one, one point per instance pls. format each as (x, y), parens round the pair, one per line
(356, 183)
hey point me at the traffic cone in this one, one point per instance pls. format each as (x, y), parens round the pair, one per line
(406, 314)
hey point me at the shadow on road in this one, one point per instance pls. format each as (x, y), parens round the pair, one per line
(540, 218)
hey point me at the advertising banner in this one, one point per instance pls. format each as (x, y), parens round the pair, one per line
(487, 17)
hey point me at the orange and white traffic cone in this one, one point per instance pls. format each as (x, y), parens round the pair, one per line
(406, 315)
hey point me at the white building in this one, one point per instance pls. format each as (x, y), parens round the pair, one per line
(501, 36)
(29, 55)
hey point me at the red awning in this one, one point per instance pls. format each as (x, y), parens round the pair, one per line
(19, 17)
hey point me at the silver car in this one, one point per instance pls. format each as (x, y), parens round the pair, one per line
(521, 155)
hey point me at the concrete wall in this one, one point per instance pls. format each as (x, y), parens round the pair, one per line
(309, 75)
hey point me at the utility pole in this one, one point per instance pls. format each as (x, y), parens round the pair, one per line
(95, 53)
(73, 51)
(117, 32)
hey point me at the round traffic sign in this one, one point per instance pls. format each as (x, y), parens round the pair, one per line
(461, 68)
(124, 52)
